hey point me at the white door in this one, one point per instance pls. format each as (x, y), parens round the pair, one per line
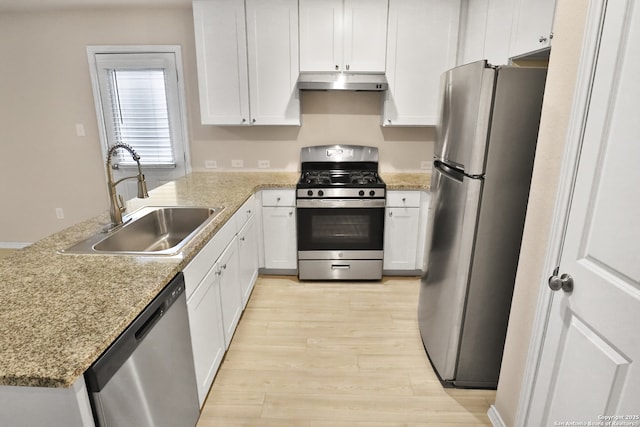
(589, 366)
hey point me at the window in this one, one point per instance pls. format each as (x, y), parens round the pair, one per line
(140, 102)
(140, 114)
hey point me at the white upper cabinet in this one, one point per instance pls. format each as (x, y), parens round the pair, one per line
(221, 55)
(498, 30)
(532, 26)
(485, 31)
(343, 35)
(272, 41)
(247, 61)
(422, 44)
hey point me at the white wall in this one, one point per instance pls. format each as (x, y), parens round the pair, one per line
(45, 90)
(563, 64)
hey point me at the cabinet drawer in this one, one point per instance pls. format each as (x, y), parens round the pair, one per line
(403, 199)
(246, 211)
(200, 265)
(279, 197)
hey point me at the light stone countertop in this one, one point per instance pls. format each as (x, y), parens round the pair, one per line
(59, 312)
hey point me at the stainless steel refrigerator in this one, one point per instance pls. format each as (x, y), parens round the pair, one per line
(483, 158)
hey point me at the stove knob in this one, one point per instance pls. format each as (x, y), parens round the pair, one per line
(372, 193)
(309, 193)
(361, 192)
(320, 193)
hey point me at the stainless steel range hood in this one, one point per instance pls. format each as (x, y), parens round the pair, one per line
(342, 81)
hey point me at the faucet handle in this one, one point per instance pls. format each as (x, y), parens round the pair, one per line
(121, 205)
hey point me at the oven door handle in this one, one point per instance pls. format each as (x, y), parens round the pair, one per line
(340, 203)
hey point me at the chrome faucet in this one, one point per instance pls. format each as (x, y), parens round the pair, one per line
(117, 206)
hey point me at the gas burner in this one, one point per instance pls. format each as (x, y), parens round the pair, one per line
(364, 177)
(316, 177)
(352, 174)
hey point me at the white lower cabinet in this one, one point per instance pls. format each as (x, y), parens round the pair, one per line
(248, 256)
(404, 232)
(214, 299)
(228, 271)
(207, 334)
(279, 230)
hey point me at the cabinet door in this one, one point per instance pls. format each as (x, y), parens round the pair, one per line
(279, 229)
(320, 35)
(532, 26)
(400, 238)
(365, 35)
(207, 335)
(423, 38)
(272, 41)
(221, 56)
(248, 256)
(228, 269)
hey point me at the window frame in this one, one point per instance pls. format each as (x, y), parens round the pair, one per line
(182, 129)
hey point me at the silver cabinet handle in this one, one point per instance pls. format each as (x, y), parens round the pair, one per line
(347, 67)
(253, 121)
(244, 120)
(337, 67)
(390, 213)
(290, 213)
(242, 239)
(542, 39)
(224, 266)
(564, 282)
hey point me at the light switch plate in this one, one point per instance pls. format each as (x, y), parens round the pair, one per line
(264, 164)
(237, 163)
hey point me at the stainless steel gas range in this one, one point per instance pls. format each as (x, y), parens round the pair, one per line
(340, 201)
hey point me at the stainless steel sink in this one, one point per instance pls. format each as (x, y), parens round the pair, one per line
(150, 231)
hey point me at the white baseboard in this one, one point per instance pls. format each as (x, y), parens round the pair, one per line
(495, 418)
(14, 245)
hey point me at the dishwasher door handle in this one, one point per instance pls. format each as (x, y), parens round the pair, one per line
(148, 324)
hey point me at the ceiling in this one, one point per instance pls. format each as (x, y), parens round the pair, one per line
(43, 5)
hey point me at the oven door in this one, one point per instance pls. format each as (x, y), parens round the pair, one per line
(335, 229)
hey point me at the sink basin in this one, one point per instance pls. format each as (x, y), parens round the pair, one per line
(150, 231)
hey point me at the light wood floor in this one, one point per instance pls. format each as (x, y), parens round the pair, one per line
(332, 355)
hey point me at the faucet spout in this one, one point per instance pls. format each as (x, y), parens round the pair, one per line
(117, 207)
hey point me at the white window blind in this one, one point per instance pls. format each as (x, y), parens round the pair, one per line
(140, 106)
(140, 115)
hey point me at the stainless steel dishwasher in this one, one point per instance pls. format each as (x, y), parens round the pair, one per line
(146, 378)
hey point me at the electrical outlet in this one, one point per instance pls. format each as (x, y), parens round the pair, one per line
(80, 129)
(425, 164)
(210, 164)
(237, 163)
(264, 164)
(59, 213)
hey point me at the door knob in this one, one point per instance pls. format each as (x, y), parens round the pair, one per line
(564, 282)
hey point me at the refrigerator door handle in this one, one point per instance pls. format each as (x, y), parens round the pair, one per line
(452, 173)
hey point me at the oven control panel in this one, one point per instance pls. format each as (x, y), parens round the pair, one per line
(349, 193)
